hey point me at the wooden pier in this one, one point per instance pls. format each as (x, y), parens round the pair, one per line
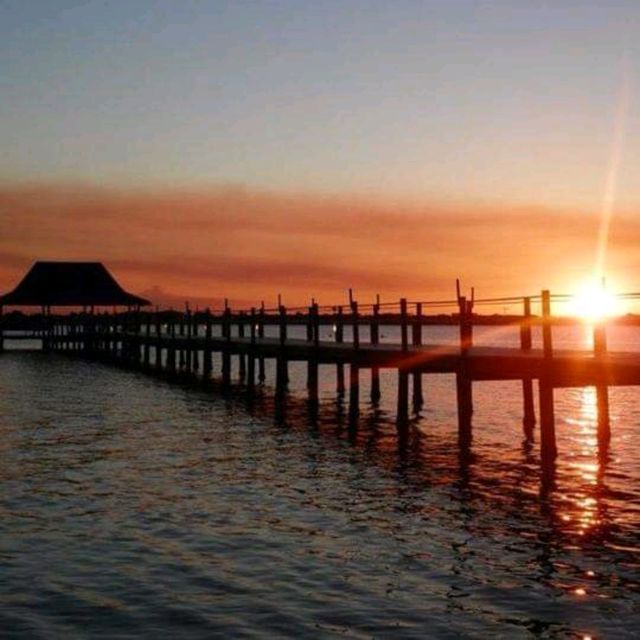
(183, 344)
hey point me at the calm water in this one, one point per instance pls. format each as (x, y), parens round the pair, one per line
(131, 507)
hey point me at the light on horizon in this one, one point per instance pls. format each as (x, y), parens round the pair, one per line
(594, 302)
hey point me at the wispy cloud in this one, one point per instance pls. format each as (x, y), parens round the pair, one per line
(246, 244)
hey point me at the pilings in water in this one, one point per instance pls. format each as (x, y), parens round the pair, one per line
(171, 349)
(282, 366)
(313, 336)
(242, 360)
(403, 373)
(418, 397)
(251, 356)
(464, 388)
(261, 371)
(226, 350)
(354, 367)
(207, 355)
(374, 338)
(339, 338)
(548, 448)
(173, 342)
(529, 415)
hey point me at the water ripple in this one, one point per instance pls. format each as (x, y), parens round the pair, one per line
(133, 508)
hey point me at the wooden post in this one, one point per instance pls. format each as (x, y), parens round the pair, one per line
(226, 349)
(339, 333)
(548, 448)
(171, 345)
(417, 326)
(111, 328)
(356, 325)
(158, 326)
(375, 339)
(403, 398)
(463, 380)
(310, 323)
(181, 357)
(147, 339)
(206, 352)
(189, 348)
(43, 329)
(261, 372)
(529, 414)
(354, 390)
(354, 368)
(547, 338)
(282, 367)
(242, 360)
(316, 325)
(418, 398)
(403, 324)
(251, 360)
(339, 337)
(282, 324)
(195, 352)
(602, 390)
(312, 363)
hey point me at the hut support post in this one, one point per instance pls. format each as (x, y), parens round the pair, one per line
(146, 349)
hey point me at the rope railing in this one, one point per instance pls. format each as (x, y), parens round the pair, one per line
(413, 307)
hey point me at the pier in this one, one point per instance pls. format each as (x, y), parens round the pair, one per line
(182, 345)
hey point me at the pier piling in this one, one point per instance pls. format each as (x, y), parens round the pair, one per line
(133, 339)
(548, 447)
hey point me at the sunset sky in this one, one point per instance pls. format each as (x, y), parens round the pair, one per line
(206, 149)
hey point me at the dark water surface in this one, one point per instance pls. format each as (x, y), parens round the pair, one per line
(130, 507)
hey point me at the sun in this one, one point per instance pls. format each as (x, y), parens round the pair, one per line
(593, 302)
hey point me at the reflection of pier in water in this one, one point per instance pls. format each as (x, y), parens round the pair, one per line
(182, 344)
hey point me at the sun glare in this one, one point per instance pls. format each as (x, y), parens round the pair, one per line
(592, 302)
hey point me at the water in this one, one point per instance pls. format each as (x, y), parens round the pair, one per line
(131, 507)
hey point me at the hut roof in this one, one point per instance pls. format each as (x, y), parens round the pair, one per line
(70, 284)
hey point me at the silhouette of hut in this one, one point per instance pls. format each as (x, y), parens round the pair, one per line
(70, 284)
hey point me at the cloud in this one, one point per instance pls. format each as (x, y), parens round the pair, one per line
(248, 244)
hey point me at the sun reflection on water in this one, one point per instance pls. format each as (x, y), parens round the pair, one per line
(580, 510)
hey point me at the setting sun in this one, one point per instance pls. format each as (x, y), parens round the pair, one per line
(594, 302)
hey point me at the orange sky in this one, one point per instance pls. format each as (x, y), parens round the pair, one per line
(248, 245)
(491, 142)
